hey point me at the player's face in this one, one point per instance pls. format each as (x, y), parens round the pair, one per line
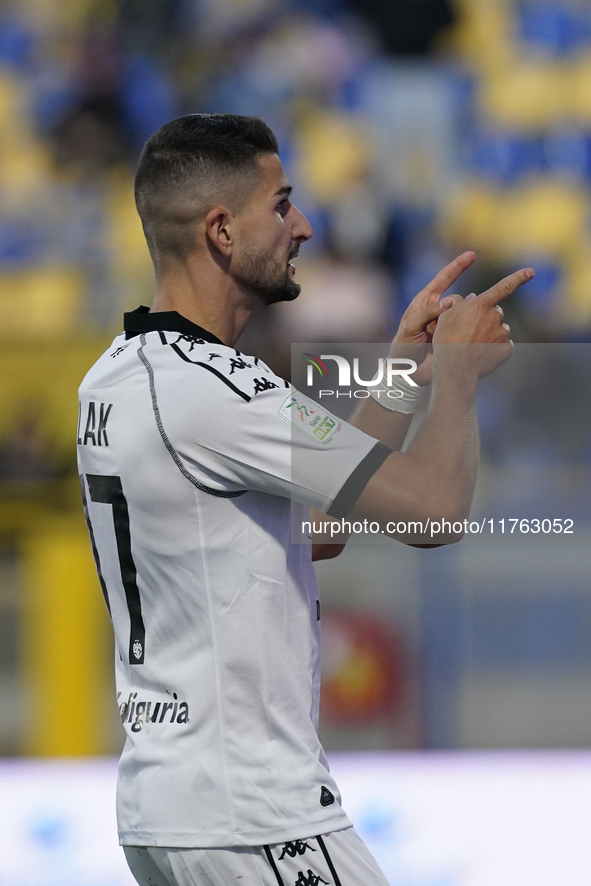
(270, 232)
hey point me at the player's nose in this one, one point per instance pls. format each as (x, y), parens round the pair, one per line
(302, 229)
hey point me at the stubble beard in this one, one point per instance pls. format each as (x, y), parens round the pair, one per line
(263, 276)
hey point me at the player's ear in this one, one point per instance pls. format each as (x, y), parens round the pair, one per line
(218, 227)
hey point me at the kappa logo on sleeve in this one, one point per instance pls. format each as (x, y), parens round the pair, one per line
(309, 417)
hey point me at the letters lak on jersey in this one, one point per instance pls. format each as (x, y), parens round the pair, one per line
(93, 417)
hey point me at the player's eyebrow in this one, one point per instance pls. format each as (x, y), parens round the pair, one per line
(285, 189)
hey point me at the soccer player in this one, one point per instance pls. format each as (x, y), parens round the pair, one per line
(185, 453)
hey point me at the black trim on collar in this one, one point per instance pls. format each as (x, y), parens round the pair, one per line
(142, 320)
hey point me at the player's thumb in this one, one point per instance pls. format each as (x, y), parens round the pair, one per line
(435, 310)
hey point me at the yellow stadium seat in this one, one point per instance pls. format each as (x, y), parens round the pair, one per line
(544, 216)
(526, 95)
(484, 33)
(469, 217)
(576, 307)
(125, 237)
(25, 169)
(60, 14)
(579, 90)
(25, 161)
(332, 153)
(44, 376)
(11, 100)
(40, 302)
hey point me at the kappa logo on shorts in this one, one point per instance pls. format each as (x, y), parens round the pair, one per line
(309, 417)
(297, 847)
(311, 880)
(326, 798)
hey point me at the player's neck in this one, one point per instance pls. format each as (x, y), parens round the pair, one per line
(211, 301)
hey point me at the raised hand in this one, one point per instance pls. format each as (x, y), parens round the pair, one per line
(418, 322)
(478, 320)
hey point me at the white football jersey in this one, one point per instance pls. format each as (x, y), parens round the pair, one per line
(184, 449)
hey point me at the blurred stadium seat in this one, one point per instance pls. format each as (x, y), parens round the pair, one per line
(334, 154)
(525, 95)
(40, 302)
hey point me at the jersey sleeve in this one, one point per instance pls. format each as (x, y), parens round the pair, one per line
(245, 428)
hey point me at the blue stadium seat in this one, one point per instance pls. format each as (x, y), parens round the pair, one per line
(16, 43)
(554, 27)
(567, 152)
(505, 157)
(148, 97)
(21, 241)
(540, 296)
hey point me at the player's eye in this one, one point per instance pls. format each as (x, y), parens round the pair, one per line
(283, 206)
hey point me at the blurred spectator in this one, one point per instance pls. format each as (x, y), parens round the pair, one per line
(407, 27)
(343, 298)
(91, 137)
(26, 454)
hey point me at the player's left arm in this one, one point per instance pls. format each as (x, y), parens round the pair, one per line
(412, 340)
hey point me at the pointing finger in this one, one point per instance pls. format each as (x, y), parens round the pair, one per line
(449, 274)
(506, 286)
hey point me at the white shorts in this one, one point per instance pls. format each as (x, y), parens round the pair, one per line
(340, 858)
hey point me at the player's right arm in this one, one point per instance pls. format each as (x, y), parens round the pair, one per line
(412, 339)
(434, 479)
(253, 432)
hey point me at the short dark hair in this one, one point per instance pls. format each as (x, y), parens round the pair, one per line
(189, 164)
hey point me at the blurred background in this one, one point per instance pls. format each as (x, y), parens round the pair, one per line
(411, 131)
